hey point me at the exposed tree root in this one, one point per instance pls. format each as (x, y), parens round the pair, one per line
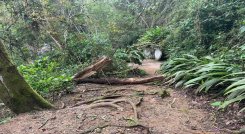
(96, 99)
(104, 104)
(112, 103)
(120, 100)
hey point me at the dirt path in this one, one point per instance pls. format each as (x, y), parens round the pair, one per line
(157, 113)
(149, 66)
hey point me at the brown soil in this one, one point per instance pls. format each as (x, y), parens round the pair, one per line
(157, 112)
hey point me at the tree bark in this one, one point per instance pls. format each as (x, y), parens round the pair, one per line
(92, 69)
(127, 81)
(15, 92)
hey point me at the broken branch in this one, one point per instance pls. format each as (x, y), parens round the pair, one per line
(92, 69)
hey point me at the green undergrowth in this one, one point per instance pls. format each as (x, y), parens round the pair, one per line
(206, 75)
(5, 120)
(47, 76)
(204, 41)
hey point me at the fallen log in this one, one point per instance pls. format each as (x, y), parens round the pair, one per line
(92, 69)
(115, 81)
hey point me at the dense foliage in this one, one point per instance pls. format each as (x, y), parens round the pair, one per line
(47, 76)
(195, 32)
(204, 40)
(51, 40)
(206, 74)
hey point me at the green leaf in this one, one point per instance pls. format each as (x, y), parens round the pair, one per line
(216, 104)
(179, 84)
(195, 80)
(242, 87)
(208, 84)
(240, 82)
(228, 102)
(179, 75)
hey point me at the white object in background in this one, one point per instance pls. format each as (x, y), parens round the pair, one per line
(158, 54)
(1, 78)
(1, 105)
(147, 53)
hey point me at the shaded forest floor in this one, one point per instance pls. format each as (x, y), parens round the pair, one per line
(157, 113)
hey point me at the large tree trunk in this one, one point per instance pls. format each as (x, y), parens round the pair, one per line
(15, 92)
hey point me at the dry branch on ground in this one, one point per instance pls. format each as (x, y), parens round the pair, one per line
(83, 76)
(92, 69)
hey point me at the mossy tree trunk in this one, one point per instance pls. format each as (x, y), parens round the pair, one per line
(15, 92)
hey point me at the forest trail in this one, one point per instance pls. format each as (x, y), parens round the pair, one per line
(149, 66)
(157, 113)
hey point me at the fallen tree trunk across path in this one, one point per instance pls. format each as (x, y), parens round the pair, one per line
(92, 69)
(115, 81)
(83, 76)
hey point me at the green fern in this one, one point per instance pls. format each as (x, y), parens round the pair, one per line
(206, 74)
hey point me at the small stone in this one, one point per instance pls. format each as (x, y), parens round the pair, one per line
(194, 127)
(98, 130)
(228, 122)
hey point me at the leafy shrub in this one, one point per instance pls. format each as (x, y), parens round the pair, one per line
(236, 91)
(46, 76)
(154, 35)
(131, 54)
(200, 28)
(190, 71)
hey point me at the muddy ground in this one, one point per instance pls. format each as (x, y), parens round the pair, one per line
(128, 109)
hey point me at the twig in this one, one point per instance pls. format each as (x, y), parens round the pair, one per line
(62, 105)
(171, 105)
(53, 118)
(111, 125)
(139, 102)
